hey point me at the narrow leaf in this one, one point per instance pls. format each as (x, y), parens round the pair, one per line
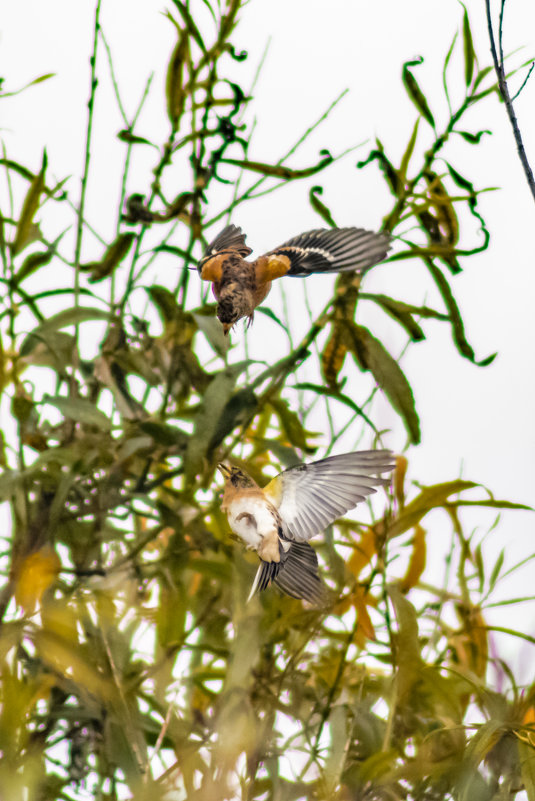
(278, 171)
(457, 324)
(414, 91)
(111, 259)
(80, 410)
(320, 207)
(372, 356)
(29, 209)
(468, 48)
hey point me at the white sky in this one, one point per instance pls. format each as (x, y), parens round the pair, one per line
(477, 419)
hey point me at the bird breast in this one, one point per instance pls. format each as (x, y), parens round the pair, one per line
(253, 519)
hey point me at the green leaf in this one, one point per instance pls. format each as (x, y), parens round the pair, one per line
(526, 755)
(428, 499)
(212, 329)
(319, 207)
(457, 324)
(79, 314)
(29, 209)
(175, 91)
(80, 410)
(131, 139)
(112, 257)
(208, 417)
(403, 167)
(473, 139)
(414, 91)
(372, 355)
(278, 171)
(402, 313)
(165, 302)
(238, 410)
(468, 49)
(291, 425)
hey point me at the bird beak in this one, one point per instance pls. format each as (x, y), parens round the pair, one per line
(223, 469)
(226, 328)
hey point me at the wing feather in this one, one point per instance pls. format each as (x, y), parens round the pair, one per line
(334, 250)
(230, 238)
(310, 497)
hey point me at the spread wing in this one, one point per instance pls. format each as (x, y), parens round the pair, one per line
(230, 238)
(310, 497)
(333, 250)
(296, 574)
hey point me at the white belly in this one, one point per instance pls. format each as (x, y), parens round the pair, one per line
(252, 519)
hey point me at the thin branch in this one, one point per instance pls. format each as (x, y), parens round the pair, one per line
(504, 93)
(90, 108)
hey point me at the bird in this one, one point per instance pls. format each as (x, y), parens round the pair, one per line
(240, 286)
(279, 520)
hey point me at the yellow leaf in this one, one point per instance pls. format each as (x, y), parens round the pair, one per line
(36, 573)
(363, 552)
(399, 480)
(417, 561)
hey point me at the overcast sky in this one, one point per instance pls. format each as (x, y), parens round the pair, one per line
(478, 420)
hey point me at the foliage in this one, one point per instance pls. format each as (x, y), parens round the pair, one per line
(131, 665)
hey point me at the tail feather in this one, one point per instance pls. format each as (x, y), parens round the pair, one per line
(299, 577)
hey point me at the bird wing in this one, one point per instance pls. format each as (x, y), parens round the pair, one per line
(230, 238)
(296, 574)
(310, 497)
(333, 250)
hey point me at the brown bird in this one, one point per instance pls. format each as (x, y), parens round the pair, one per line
(240, 286)
(299, 503)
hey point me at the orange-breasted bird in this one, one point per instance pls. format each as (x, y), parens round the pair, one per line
(240, 286)
(278, 520)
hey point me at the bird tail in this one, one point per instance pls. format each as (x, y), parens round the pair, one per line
(296, 575)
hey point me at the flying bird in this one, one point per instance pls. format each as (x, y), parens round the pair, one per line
(279, 520)
(240, 286)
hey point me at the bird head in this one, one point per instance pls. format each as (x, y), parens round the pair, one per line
(235, 477)
(228, 313)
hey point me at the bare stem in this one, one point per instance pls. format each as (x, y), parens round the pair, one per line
(506, 97)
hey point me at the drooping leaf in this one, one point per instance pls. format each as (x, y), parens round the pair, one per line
(175, 91)
(320, 207)
(417, 561)
(333, 355)
(414, 91)
(457, 324)
(111, 259)
(372, 355)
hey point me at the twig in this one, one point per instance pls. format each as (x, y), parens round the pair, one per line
(504, 93)
(90, 107)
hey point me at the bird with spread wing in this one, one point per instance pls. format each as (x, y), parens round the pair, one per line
(279, 520)
(240, 286)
